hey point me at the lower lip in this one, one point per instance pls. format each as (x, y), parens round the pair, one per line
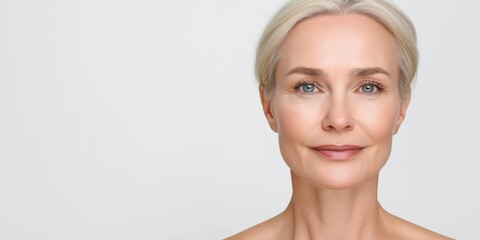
(339, 155)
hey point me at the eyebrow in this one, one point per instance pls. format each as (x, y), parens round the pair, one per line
(313, 72)
(360, 72)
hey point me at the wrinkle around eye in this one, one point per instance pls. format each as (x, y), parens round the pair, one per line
(302, 87)
(377, 88)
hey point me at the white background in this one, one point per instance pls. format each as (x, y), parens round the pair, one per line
(141, 120)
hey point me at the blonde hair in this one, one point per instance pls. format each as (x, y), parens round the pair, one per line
(393, 19)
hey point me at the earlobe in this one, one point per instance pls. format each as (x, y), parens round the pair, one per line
(266, 106)
(403, 109)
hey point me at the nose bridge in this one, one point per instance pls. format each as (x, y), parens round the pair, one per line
(338, 115)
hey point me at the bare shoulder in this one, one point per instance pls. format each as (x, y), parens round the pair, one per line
(274, 228)
(259, 231)
(399, 228)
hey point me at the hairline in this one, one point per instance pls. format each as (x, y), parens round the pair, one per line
(342, 12)
(270, 49)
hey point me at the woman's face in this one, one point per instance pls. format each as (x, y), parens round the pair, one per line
(336, 104)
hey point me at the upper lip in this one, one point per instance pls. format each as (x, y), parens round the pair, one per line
(338, 147)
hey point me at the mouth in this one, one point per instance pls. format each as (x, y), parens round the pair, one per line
(338, 152)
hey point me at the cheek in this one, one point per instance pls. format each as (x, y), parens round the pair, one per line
(376, 126)
(298, 123)
(377, 119)
(296, 120)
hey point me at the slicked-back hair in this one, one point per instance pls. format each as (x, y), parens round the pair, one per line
(384, 12)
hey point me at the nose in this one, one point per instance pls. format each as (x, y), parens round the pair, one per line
(338, 117)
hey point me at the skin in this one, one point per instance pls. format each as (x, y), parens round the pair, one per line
(337, 84)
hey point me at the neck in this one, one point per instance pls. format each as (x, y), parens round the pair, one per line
(335, 214)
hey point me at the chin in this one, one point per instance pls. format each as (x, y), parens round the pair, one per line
(337, 183)
(335, 178)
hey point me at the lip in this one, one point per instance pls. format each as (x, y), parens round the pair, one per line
(338, 152)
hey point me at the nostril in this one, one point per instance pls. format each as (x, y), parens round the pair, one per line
(337, 124)
(345, 128)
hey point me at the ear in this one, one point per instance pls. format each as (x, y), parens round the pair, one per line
(403, 109)
(267, 108)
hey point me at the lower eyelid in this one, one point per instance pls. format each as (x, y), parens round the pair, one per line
(379, 90)
(301, 84)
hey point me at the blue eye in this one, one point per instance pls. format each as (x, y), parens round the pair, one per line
(308, 87)
(369, 88)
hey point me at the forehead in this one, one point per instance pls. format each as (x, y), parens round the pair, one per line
(333, 41)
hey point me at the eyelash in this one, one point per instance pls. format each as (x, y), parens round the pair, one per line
(302, 83)
(379, 87)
